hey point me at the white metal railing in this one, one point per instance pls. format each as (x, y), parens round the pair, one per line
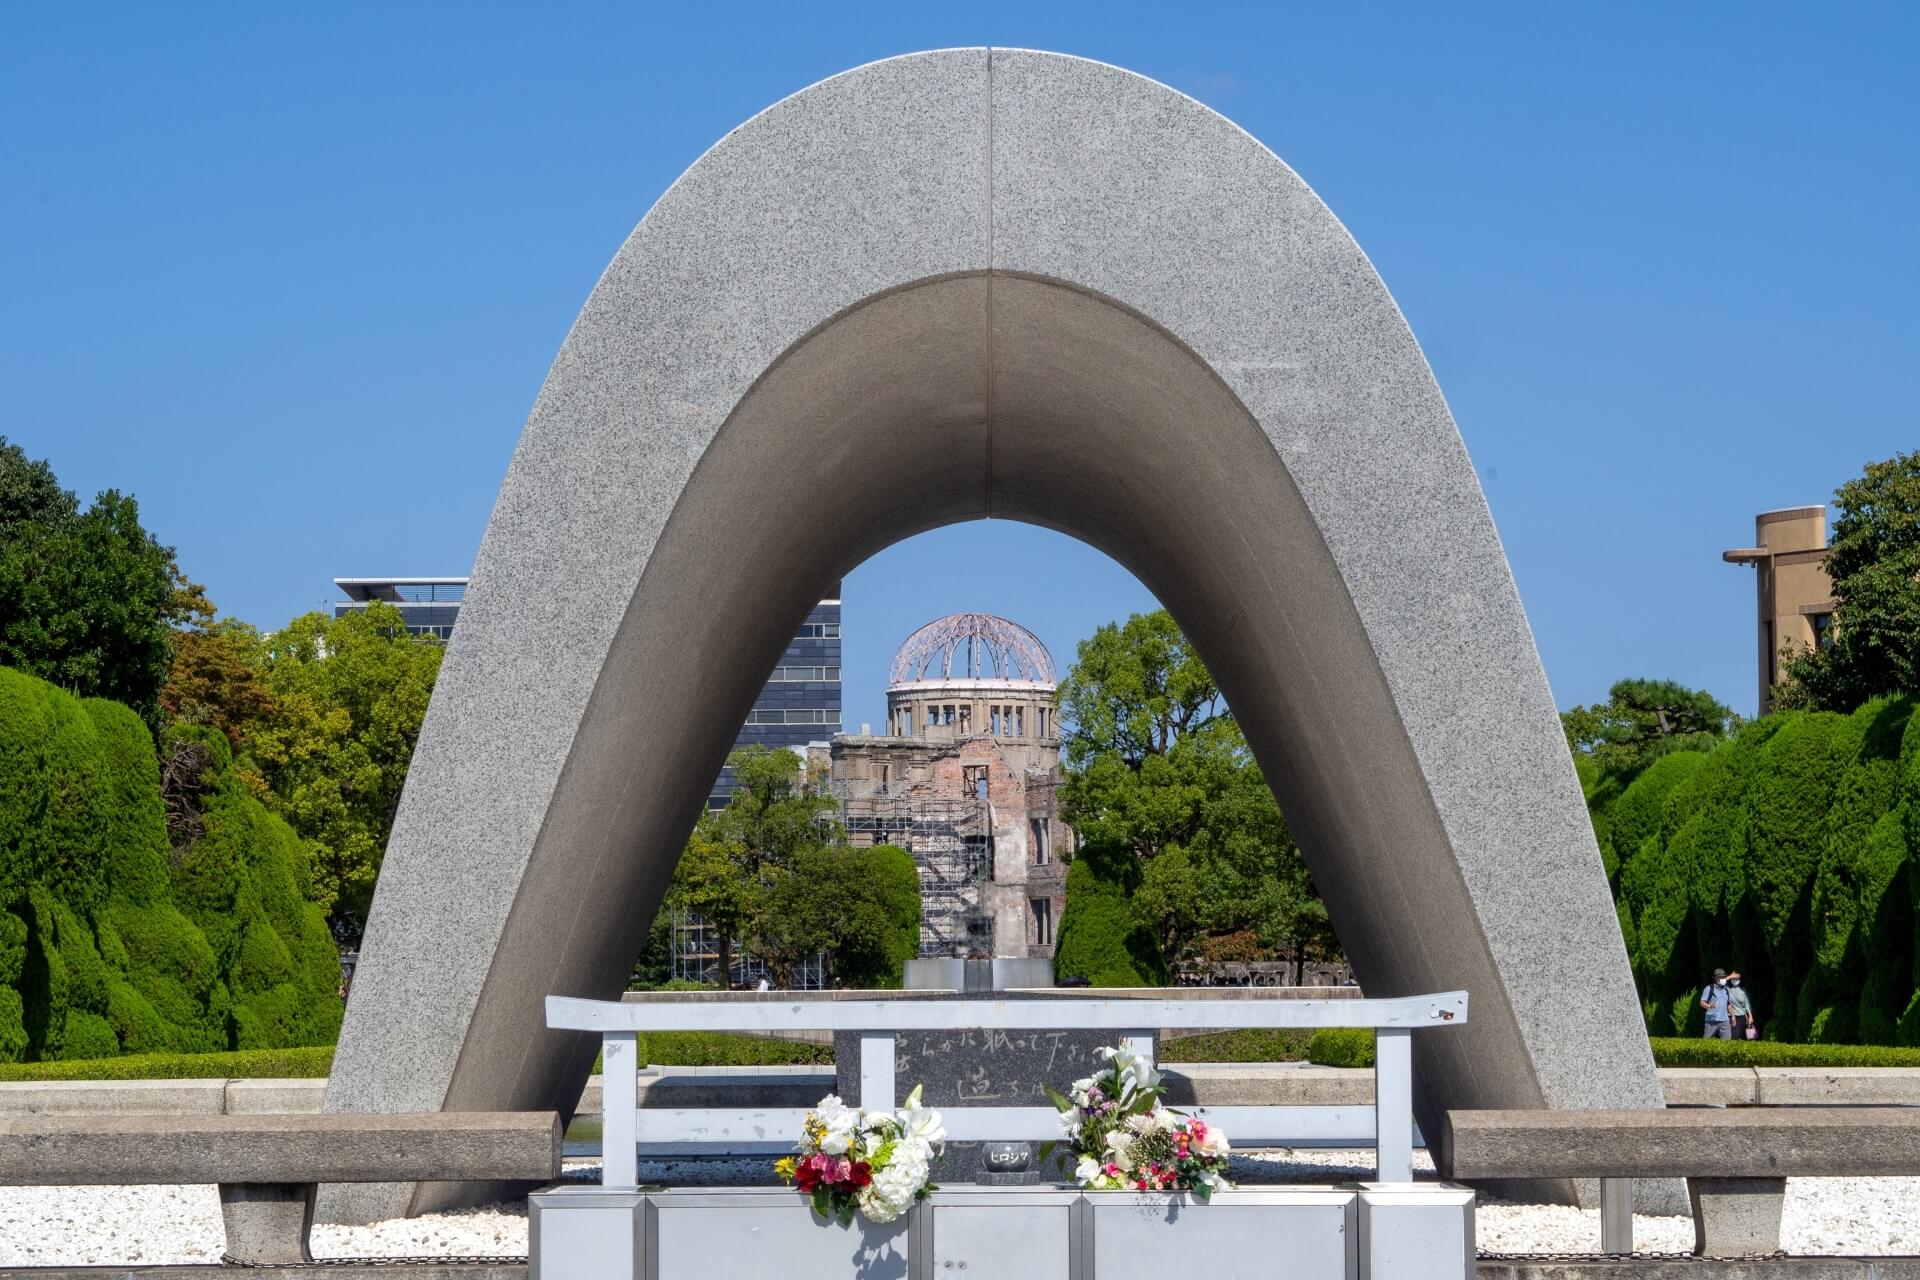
(1386, 1126)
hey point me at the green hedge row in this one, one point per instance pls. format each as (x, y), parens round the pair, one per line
(1350, 1047)
(727, 1049)
(1677, 1051)
(660, 1048)
(115, 938)
(1266, 1044)
(273, 1064)
(1786, 852)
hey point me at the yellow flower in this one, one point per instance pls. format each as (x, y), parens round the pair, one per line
(785, 1167)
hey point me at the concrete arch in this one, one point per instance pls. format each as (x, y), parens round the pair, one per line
(957, 285)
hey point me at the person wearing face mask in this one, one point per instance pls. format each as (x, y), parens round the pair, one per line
(1714, 999)
(1740, 1009)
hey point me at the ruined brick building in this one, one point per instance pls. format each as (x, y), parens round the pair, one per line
(965, 778)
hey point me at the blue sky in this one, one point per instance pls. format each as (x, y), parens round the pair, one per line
(293, 277)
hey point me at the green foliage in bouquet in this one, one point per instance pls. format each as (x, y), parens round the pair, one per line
(1123, 1138)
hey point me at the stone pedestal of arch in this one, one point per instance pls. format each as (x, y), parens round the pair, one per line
(966, 284)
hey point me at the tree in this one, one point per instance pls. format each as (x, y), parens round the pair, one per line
(859, 906)
(1873, 560)
(730, 871)
(349, 696)
(29, 491)
(1643, 719)
(1133, 691)
(88, 599)
(218, 677)
(1160, 773)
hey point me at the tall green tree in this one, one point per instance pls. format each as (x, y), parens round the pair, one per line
(88, 599)
(1644, 719)
(1159, 772)
(1874, 562)
(349, 697)
(1134, 690)
(732, 866)
(861, 907)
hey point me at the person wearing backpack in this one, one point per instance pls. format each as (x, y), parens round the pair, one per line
(1740, 1009)
(1714, 999)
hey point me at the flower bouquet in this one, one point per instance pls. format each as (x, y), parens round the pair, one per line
(875, 1162)
(1124, 1139)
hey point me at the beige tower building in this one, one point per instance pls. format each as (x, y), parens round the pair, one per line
(1794, 595)
(965, 778)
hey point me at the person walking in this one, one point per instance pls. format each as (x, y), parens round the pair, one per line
(1740, 1009)
(1713, 998)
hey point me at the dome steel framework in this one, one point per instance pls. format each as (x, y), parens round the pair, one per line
(972, 646)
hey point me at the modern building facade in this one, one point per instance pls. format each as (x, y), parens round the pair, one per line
(800, 703)
(429, 605)
(966, 778)
(1792, 592)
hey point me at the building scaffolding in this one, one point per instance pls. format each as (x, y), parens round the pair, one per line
(951, 841)
(696, 958)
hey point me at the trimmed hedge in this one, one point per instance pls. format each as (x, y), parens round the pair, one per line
(1353, 1047)
(1787, 852)
(284, 1064)
(1254, 1044)
(1101, 937)
(112, 940)
(1693, 1052)
(1341, 1047)
(727, 1049)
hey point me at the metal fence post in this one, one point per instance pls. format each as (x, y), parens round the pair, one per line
(1616, 1215)
(1393, 1104)
(620, 1089)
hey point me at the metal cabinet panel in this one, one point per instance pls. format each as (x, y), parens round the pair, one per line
(1243, 1235)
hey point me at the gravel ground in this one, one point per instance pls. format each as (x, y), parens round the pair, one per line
(159, 1225)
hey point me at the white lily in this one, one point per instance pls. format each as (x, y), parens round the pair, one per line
(921, 1124)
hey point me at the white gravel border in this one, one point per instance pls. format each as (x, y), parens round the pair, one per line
(171, 1225)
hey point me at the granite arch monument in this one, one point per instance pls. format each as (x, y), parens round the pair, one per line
(988, 283)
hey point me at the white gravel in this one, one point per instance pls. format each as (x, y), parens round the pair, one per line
(162, 1225)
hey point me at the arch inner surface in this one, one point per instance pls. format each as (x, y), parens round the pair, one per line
(987, 284)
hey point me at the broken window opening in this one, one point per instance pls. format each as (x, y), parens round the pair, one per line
(1042, 921)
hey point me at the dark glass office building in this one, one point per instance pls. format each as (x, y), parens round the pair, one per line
(800, 703)
(801, 700)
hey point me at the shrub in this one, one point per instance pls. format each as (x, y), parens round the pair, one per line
(1254, 1044)
(1784, 852)
(245, 883)
(1101, 937)
(96, 954)
(1341, 1047)
(1691, 1052)
(286, 1064)
(727, 1049)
